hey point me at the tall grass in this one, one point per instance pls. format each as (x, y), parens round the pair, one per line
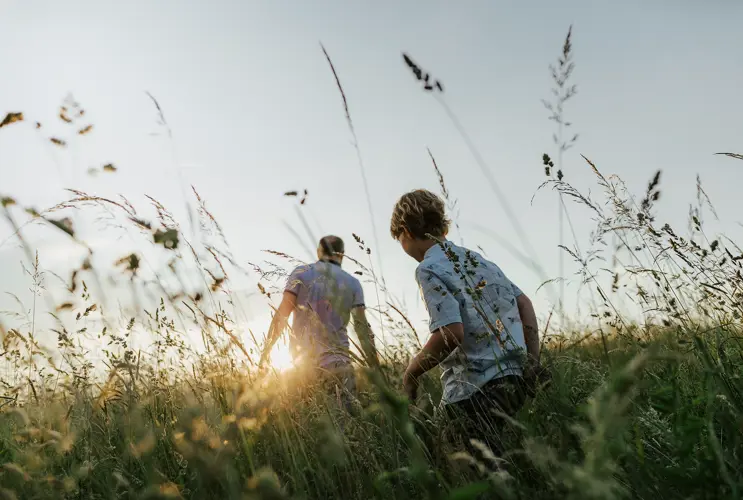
(644, 402)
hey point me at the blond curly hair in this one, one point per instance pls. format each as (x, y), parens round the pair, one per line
(421, 213)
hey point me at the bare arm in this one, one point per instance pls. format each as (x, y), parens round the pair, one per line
(531, 329)
(366, 337)
(278, 324)
(441, 343)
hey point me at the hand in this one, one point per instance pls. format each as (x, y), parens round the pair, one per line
(410, 386)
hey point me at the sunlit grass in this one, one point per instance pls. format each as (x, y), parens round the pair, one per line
(281, 357)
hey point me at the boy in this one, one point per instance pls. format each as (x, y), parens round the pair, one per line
(483, 328)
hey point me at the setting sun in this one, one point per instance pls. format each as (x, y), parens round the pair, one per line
(281, 358)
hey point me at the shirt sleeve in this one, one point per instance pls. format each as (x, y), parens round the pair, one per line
(294, 281)
(516, 290)
(506, 282)
(442, 305)
(358, 295)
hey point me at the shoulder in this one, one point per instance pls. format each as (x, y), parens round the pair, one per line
(471, 255)
(350, 278)
(482, 261)
(425, 270)
(301, 271)
(439, 263)
(303, 268)
(432, 277)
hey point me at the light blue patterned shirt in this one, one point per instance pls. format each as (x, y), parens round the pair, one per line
(460, 286)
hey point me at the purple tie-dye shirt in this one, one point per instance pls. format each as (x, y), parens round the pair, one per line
(326, 294)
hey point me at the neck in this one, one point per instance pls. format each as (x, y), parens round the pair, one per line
(331, 260)
(425, 245)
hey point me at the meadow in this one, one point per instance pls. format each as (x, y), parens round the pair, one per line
(640, 405)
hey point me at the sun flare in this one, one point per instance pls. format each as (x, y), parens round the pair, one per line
(281, 357)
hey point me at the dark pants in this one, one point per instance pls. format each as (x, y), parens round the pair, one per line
(480, 417)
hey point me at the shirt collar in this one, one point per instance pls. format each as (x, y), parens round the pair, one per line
(436, 249)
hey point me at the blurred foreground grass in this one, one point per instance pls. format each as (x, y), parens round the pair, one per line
(653, 416)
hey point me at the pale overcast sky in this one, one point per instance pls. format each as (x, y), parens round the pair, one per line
(255, 112)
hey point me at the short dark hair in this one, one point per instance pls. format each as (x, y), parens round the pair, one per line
(332, 246)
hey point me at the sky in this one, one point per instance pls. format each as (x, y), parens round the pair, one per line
(254, 112)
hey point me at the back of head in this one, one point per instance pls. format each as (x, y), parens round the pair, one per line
(420, 213)
(331, 247)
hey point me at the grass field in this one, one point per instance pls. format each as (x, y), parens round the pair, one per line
(632, 411)
(654, 417)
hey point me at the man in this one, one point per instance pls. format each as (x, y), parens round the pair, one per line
(323, 298)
